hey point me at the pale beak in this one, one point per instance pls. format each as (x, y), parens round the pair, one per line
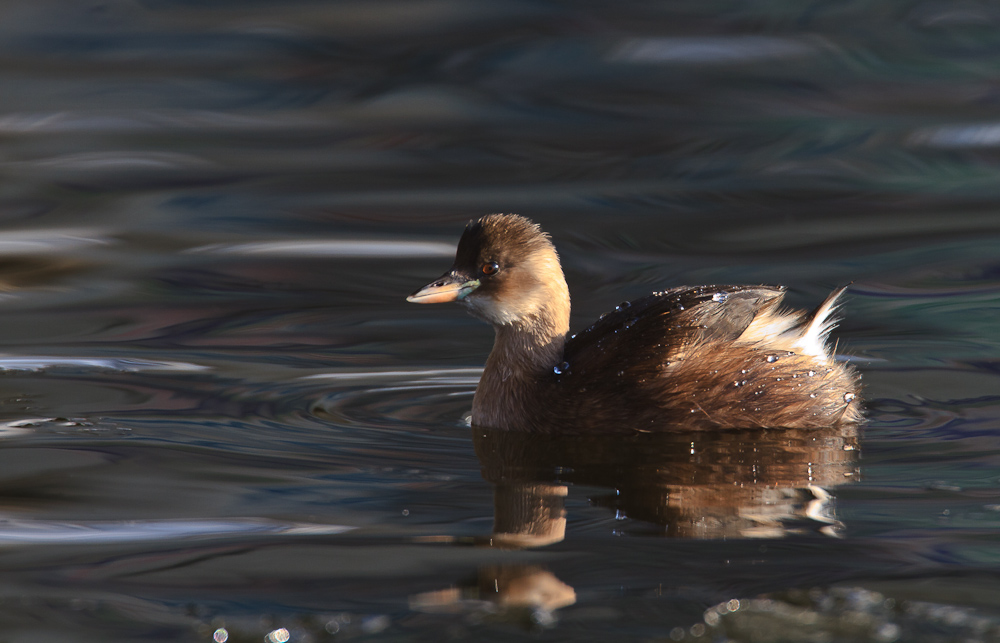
(451, 287)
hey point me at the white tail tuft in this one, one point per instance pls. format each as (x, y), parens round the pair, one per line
(812, 338)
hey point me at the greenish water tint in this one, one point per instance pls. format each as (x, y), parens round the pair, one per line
(220, 420)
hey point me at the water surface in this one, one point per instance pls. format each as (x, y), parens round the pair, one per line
(220, 418)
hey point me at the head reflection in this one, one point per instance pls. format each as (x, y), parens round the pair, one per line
(699, 484)
(526, 594)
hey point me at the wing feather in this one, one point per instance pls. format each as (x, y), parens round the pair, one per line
(642, 336)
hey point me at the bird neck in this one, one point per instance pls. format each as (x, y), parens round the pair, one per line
(528, 349)
(523, 353)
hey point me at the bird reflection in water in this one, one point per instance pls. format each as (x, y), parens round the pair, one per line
(760, 483)
(700, 484)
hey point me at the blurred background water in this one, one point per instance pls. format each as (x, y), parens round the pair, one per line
(221, 420)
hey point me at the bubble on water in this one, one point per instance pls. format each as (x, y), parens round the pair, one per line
(280, 635)
(375, 624)
(887, 632)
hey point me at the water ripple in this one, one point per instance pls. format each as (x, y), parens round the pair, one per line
(958, 136)
(40, 532)
(343, 248)
(125, 365)
(50, 241)
(709, 49)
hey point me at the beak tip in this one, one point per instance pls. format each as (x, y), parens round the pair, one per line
(443, 290)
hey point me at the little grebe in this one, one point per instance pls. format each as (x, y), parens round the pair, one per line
(709, 356)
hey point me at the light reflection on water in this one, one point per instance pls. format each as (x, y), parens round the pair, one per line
(214, 394)
(20, 532)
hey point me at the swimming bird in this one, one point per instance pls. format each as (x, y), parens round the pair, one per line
(688, 357)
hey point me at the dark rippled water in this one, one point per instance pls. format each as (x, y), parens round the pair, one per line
(220, 419)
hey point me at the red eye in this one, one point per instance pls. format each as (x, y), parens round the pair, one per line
(489, 268)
